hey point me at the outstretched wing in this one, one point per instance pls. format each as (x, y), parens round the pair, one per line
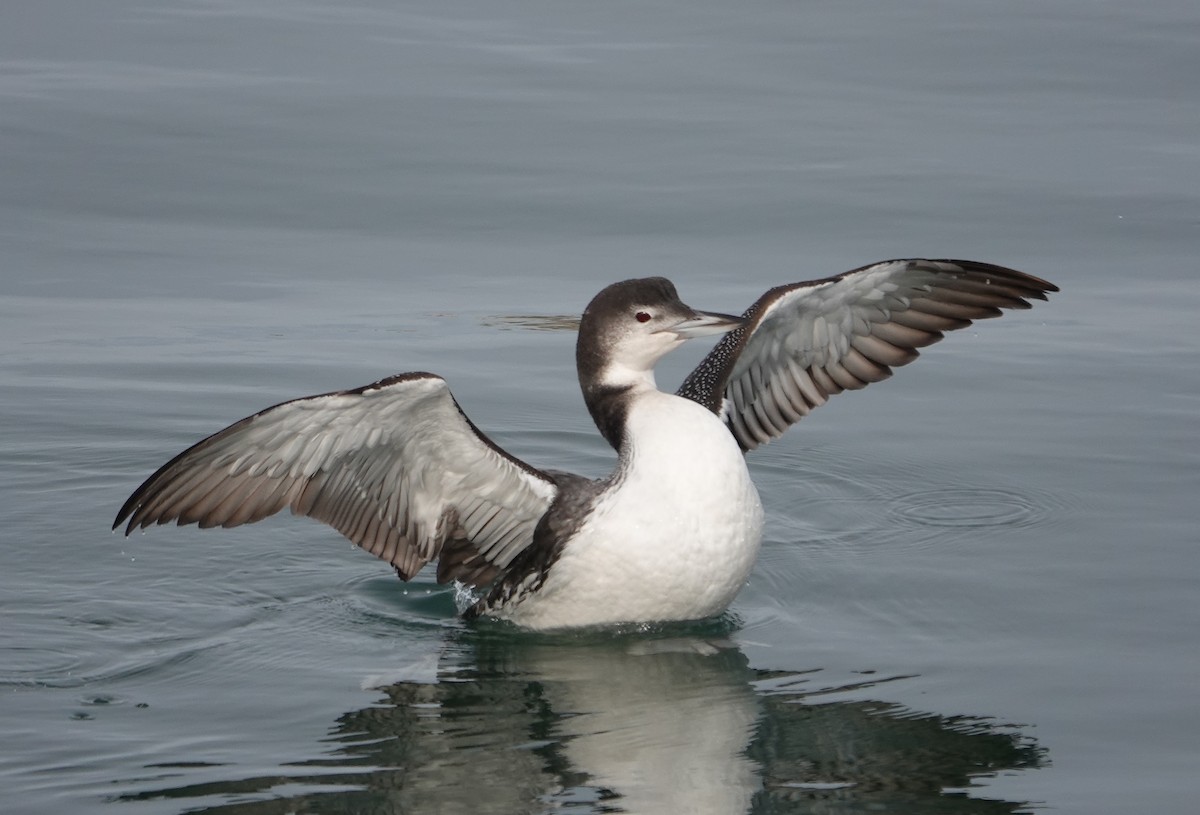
(806, 341)
(395, 466)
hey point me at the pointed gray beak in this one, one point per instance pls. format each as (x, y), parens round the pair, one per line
(704, 323)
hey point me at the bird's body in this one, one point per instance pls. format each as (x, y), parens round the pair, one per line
(671, 534)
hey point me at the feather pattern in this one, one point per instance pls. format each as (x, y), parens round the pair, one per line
(805, 342)
(395, 466)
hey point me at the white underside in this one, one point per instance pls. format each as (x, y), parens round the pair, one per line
(675, 540)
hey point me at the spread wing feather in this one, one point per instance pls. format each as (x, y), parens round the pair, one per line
(395, 466)
(805, 342)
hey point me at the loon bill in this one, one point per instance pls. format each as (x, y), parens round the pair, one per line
(671, 534)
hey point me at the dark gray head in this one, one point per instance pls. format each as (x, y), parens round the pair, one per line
(625, 330)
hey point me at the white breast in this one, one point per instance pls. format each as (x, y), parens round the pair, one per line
(674, 539)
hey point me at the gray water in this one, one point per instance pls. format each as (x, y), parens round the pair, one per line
(978, 587)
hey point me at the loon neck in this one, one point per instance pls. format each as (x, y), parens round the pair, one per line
(609, 397)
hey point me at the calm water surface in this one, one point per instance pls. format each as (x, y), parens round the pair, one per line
(979, 588)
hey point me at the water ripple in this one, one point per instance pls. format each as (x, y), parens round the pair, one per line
(968, 507)
(381, 600)
(839, 501)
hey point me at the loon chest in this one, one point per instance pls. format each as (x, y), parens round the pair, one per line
(674, 536)
(683, 479)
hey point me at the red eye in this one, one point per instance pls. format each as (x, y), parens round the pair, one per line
(643, 317)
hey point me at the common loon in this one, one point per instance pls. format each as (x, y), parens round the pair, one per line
(671, 534)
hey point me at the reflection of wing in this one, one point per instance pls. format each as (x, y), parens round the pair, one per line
(395, 466)
(807, 341)
(881, 756)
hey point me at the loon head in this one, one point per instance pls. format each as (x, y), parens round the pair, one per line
(630, 326)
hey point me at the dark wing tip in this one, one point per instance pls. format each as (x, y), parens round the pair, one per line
(121, 516)
(133, 503)
(138, 506)
(1030, 285)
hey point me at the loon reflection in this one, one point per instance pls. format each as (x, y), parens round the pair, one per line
(642, 724)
